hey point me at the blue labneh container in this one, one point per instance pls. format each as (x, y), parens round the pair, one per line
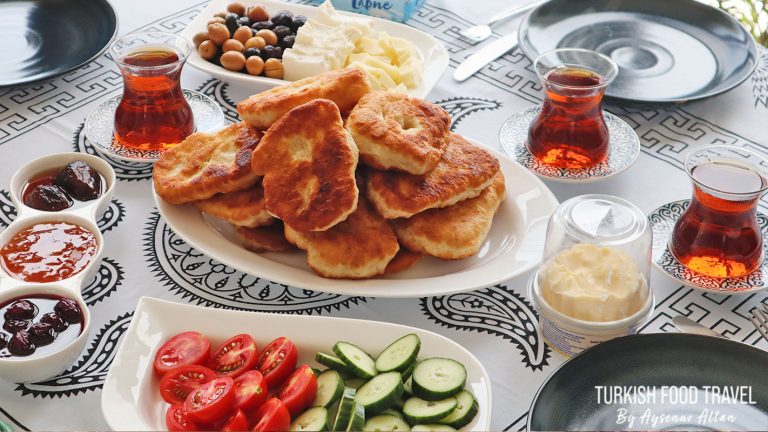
(393, 10)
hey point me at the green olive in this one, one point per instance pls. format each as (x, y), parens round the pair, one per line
(255, 42)
(218, 33)
(207, 49)
(258, 13)
(232, 45)
(273, 68)
(243, 33)
(215, 20)
(254, 65)
(199, 38)
(237, 8)
(233, 60)
(268, 35)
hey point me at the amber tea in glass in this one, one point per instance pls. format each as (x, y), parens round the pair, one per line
(718, 234)
(570, 131)
(153, 113)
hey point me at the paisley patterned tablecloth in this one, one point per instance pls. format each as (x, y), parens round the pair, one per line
(497, 323)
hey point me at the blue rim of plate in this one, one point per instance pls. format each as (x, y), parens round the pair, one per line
(624, 149)
(663, 221)
(99, 126)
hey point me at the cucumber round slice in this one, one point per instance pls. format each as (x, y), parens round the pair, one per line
(330, 387)
(354, 382)
(313, 419)
(361, 364)
(438, 378)
(357, 421)
(346, 409)
(408, 385)
(432, 428)
(332, 362)
(399, 355)
(380, 392)
(465, 410)
(420, 411)
(385, 423)
(392, 411)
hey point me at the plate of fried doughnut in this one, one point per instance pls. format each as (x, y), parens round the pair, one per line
(328, 185)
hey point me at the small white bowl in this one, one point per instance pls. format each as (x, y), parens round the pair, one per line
(28, 369)
(94, 209)
(570, 336)
(76, 281)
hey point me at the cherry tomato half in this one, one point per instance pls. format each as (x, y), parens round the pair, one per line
(235, 356)
(212, 401)
(238, 422)
(299, 390)
(188, 348)
(176, 384)
(250, 390)
(277, 361)
(176, 419)
(272, 416)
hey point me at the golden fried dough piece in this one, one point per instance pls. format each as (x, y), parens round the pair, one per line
(245, 208)
(360, 247)
(395, 131)
(402, 261)
(463, 172)
(344, 87)
(453, 232)
(269, 238)
(205, 164)
(308, 161)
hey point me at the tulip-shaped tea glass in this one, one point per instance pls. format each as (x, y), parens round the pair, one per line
(718, 234)
(570, 131)
(153, 114)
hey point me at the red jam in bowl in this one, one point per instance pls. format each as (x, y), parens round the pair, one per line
(38, 324)
(48, 252)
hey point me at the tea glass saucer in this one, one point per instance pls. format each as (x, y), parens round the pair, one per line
(99, 126)
(624, 149)
(663, 221)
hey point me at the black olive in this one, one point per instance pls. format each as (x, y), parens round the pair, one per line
(271, 51)
(298, 21)
(278, 54)
(283, 17)
(20, 344)
(3, 340)
(13, 325)
(250, 52)
(80, 180)
(288, 41)
(55, 321)
(48, 198)
(281, 31)
(231, 22)
(21, 310)
(69, 310)
(41, 334)
(244, 21)
(263, 25)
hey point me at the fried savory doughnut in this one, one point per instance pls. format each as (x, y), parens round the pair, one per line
(205, 164)
(269, 238)
(344, 87)
(308, 161)
(358, 248)
(462, 173)
(454, 232)
(404, 260)
(395, 131)
(241, 208)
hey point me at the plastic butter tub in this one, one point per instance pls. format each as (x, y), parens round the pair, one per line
(393, 10)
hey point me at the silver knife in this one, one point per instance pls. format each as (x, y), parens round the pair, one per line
(487, 54)
(687, 325)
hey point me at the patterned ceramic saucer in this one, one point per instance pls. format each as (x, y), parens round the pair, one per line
(625, 148)
(663, 221)
(99, 126)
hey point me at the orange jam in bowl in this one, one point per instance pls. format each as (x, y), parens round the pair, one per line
(48, 252)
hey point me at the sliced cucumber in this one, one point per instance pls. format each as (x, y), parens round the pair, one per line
(346, 409)
(392, 411)
(354, 382)
(408, 372)
(380, 392)
(316, 371)
(399, 355)
(408, 385)
(438, 378)
(399, 402)
(420, 411)
(330, 387)
(357, 421)
(332, 362)
(386, 422)
(361, 364)
(465, 410)
(313, 419)
(432, 428)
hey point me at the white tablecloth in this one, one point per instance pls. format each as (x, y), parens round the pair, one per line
(144, 257)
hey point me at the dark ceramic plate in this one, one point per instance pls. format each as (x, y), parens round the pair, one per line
(568, 400)
(667, 50)
(44, 38)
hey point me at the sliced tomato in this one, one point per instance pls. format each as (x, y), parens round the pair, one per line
(250, 390)
(177, 383)
(212, 402)
(277, 361)
(184, 349)
(238, 422)
(235, 356)
(176, 419)
(299, 390)
(272, 416)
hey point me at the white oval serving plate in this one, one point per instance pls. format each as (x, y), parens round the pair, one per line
(434, 53)
(130, 399)
(513, 246)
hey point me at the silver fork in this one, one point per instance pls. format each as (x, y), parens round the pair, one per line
(481, 32)
(760, 320)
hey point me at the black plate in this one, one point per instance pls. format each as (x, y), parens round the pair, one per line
(568, 400)
(667, 50)
(44, 38)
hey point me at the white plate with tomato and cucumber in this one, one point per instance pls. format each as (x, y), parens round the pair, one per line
(183, 367)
